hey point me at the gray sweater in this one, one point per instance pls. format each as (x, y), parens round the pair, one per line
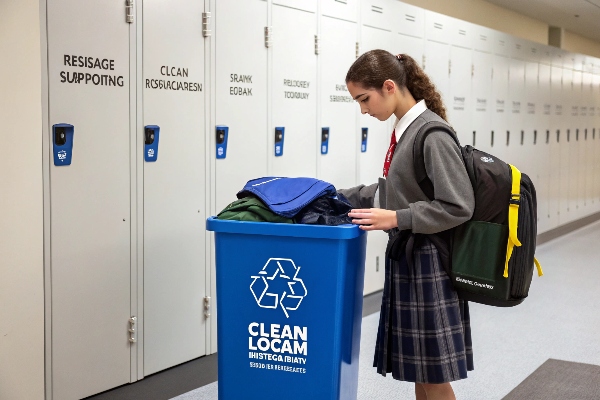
(454, 200)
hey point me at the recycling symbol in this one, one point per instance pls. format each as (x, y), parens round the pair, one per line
(277, 284)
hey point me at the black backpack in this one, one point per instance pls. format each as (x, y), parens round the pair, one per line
(489, 258)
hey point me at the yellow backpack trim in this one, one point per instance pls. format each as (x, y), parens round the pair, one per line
(513, 220)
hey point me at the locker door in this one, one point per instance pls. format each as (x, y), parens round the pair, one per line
(557, 133)
(90, 210)
(338, 110)
(567, 170)
(408, 24)
(482, 106)
(437, 53)
(459, 103)
(595, 145)
(574, 149)
(376, 33)
(516, 132)
(346, 10)
(531, 120)
(174, 185)
(294, 93)
(585, 137)
(461, 76)
(542, 149)
(501, 111)
(240, 95)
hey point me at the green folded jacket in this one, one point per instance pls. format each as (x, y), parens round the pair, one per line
(251, 209)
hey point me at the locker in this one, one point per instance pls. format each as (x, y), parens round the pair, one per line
(461, 75)
(346, 10)
(542, 147)
(531, 118)
(556, 134)
(90, 203)
(338, 110)
(436, 63)
(304, 5)
(586, 110)
(409, 20)
(294, 93)
(566, 169)
(377, 14)
(576, 150)
(596, 133)
(516, 107)
(501, 113)
(482, 104)
(240, 95)
(376, 33)
(174, 186)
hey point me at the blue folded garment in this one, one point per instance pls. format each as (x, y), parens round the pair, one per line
(287, 196)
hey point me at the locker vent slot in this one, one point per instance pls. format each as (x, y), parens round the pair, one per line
(410, 18)
(533, 50)
(462, 32)
(522, 137)
(483, 37)
(377, 9)
(518, 46)
(342, 1)
(502, 43)
(437, 25)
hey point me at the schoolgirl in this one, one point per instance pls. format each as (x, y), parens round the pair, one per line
(424, 334)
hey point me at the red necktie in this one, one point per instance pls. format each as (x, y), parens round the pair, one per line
(389, 155)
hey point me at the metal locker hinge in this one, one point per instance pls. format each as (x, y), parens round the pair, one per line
(129, 11)
(317, 45)
(268, 33)
(207, 307)
(424, 58)
(472, 70)
(132, 333)
(357, 49)
(449, 67)
(205, 31)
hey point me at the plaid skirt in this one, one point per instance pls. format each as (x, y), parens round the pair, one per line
(424, 334)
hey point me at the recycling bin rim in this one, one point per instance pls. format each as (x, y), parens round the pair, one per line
(347, 231)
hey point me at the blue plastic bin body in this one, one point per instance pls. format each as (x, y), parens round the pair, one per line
(289, 310)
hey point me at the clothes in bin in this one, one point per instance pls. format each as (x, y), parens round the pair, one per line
(289, 309)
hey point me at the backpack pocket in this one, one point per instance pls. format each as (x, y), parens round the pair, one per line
(478, 259)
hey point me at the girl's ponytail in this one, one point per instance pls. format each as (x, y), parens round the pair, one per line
(421, 87)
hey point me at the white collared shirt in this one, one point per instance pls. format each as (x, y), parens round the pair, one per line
(408, 118)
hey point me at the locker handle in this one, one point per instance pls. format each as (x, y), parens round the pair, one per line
(60, 136)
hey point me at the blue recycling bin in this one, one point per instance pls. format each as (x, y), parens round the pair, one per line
(289, 309)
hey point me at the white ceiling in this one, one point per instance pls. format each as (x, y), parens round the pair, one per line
(561, 13)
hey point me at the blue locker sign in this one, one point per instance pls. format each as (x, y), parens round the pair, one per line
(62, 143)
(279, 134)
(365, 134)
(324, 140)
(151, 135)
(222, 134)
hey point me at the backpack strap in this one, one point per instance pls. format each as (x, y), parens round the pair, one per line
(418, 154)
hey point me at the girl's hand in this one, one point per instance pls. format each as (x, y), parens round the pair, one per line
(372, 219)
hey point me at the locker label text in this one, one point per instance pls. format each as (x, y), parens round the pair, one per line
(238, 90)
(87, 77)
(172, 84)
(295, 95)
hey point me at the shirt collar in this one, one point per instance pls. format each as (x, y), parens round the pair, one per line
(408, 118)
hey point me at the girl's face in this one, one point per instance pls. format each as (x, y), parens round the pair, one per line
(380, 104)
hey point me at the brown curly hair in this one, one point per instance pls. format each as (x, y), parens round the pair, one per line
(374, 67)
